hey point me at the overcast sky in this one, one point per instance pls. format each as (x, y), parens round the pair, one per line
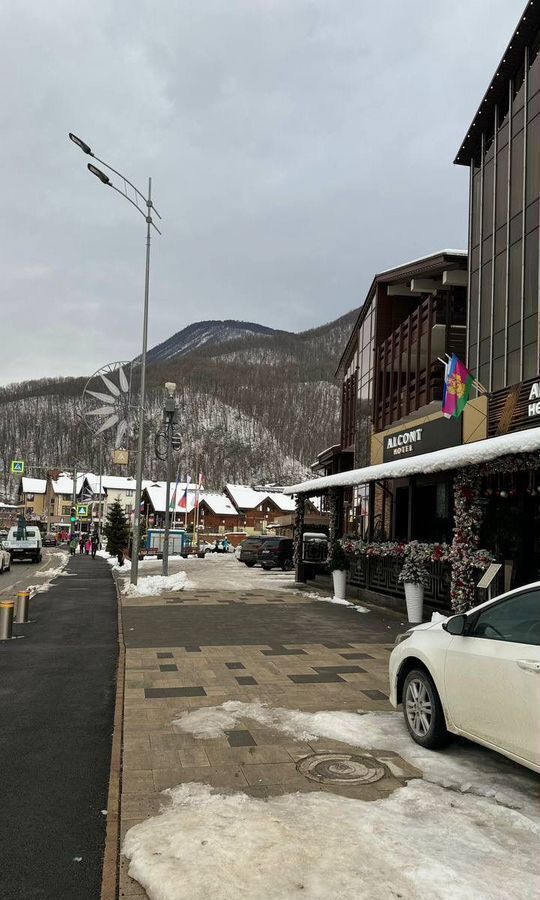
(296, 148)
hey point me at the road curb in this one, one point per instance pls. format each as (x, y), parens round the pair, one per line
(111, 856)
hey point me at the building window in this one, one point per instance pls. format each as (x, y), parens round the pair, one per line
(66, 510)
(29, 498)
(129, 493)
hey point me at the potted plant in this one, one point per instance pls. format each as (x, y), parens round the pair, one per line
(414, 577)
(339, 564)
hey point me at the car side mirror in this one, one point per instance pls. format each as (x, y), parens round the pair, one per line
(456, 625)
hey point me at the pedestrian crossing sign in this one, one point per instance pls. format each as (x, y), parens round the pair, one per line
(17, 467)
(82, 510)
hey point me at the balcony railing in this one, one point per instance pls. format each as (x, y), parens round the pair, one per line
(407, 372)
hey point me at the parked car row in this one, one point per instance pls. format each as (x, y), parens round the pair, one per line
(268, 551)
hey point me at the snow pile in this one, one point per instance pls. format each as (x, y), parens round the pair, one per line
(337, 600)
(53, 572)
(154, 585)
(464, 768)
(419, 843)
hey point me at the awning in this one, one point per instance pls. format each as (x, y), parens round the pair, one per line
(427, 463)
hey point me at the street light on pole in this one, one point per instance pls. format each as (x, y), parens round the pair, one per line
(169, 416)
(150, 208)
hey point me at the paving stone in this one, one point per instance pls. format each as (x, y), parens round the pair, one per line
(235, 665)
(170, 668)
(240, 739)
(338, 670)
(245, 679)
(356, 656)
(165, 656)
(150, 693)
(375, 695)
(315, 679)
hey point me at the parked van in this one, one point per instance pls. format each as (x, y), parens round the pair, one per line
(277, 552)
(30, 548)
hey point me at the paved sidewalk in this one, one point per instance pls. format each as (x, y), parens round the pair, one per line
(56, 713)
(195, 649)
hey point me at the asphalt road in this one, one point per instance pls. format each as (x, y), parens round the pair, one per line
(57, 686)
(24, 573)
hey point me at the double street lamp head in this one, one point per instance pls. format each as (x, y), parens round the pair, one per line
(76, 140)
(99, 174)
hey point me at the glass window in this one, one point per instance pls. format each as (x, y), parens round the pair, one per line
(472, 355)
(475, 258)
(514, 337)
(487, 220)
(483, 374)
(516, 619)
(530, 329)
(487, 248)
(498, 373)
(533, 161)
(533, 107)
(485, 350)
(530, 361)
(473, 309)
(500, 239)
(499, 304)
(519, 90)
(531, 216)
(513, 367)
(502, 137)
(476, 210)
(514, 299)
(516, 175)
(516, 228)
(534, 68)
(531, 273)
(502, 186)
(485, 309)
(498, 343)
(518, 120)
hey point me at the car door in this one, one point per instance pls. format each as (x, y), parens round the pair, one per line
(492, 676)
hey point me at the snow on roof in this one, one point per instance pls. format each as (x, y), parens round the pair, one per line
(219, 504)
(34, 485)
(156, 492)
(63, 484)
(246, 497)
(438, 461)
(117, 482)
(284, 503)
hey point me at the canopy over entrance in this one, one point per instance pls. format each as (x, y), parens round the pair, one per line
(439, 461)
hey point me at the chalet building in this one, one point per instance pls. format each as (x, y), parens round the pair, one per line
(32, 497)
(218, 514)
(258, 508)
(473, 482)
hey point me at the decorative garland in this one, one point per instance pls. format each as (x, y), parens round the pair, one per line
(298, 529)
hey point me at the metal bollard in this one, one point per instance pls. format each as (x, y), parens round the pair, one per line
(6, 620)
(23, 602)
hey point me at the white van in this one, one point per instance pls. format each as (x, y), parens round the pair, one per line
(27, 549)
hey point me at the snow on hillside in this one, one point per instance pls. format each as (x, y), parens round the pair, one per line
(198, 334)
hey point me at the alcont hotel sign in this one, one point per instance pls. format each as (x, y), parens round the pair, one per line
(422, 437)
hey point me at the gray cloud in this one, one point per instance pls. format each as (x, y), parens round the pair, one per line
(296, 147)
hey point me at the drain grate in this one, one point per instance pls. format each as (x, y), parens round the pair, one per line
(340, 768)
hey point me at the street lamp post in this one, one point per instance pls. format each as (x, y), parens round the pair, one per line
(149, 223)
(169, 416)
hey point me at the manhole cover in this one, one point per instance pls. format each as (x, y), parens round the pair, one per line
(340, 768)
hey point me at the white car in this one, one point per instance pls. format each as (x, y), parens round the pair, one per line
(476, 675)
(5, 560)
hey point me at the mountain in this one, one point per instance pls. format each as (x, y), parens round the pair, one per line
(198, 334)
(255, 405)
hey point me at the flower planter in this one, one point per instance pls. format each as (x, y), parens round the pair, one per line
(339, 577)
(414, 595)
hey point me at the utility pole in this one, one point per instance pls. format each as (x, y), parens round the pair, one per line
(169, 416)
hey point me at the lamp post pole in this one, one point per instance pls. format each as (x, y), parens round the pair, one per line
(150, 208)
(140, 446)
(169, 415)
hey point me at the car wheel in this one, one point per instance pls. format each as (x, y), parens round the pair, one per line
(250, 565)
(287, 565)
(266, 567)
(423, 711)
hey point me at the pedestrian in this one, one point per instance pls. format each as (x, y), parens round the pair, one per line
(95, 542)
(120, 557)
(73, 545)
(81, 544)
(87, 546)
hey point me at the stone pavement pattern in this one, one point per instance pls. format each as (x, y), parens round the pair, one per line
(201, 648)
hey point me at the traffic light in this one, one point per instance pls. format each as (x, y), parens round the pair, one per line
(73, 518)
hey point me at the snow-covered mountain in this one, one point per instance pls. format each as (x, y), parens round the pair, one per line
(196, 335)
(245, 393)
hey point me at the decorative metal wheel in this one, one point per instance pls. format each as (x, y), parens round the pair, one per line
(113, 407)
(418, 707)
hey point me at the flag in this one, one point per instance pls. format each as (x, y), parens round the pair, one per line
(199, 489)
(182, 503)
(172, 502)
(457, 387)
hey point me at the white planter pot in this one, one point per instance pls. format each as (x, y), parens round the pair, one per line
(339, 577)
(414, 595)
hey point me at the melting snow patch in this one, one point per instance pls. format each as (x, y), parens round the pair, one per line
(466, 768)
(153, 585)
(337, 600)
(420, 843)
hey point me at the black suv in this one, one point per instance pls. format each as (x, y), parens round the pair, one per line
(277, 551)
(249, 550)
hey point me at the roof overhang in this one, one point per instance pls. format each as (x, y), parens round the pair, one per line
(511, 61)
(428, 463)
